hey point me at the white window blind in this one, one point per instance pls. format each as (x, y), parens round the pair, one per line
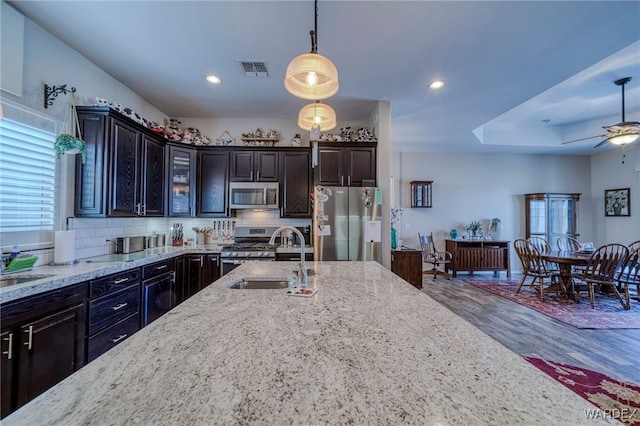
(27, 170)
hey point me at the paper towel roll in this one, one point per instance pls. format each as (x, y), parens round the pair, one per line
(65, 247)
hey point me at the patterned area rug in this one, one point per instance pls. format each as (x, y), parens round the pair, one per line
(608, 313)
(615, 399)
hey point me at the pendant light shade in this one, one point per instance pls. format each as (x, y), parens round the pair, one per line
(624, 139)
(317, 114)
(311, 76)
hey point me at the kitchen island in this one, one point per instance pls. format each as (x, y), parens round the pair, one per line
(368, 348)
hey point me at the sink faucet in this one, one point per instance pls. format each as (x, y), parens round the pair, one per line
(302, 265)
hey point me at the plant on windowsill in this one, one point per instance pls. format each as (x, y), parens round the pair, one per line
(68, 144)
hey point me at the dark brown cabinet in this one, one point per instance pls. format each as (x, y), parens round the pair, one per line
(254, 166)
(202, 270)
(181, 278)
(158, 290)
(296, 184)
(212, 183)
(124, 171)
(181, 181)
(407, 264)
(552, 216)
(42, 343)
(114, 311)
(469, 255)
(346, 164)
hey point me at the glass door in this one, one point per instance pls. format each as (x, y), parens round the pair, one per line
(181, 180)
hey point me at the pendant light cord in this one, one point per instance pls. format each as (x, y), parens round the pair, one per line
(314, 34)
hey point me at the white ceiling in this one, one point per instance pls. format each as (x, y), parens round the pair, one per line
(508, 65)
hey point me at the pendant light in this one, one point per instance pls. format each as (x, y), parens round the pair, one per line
(311, 75)
(317, 115)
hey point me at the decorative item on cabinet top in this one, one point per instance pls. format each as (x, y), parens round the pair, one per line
(173, 132)
(259, 138)
(363, 134)
(226, 139)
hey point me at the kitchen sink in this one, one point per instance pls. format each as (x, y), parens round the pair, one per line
(7, 280)
(262, 283)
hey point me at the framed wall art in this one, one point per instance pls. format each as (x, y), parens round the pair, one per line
(616, 202)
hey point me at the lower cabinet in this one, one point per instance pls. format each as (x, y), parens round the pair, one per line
(42, 343)
(114, 311)
(407, 264)
(158, 290)
(202, 270)
(469, 255)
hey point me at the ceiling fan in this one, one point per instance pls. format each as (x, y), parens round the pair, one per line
(623, 133)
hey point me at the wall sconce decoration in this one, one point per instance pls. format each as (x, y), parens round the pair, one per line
(52, 92)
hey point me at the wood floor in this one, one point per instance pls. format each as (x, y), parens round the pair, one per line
(615, 353)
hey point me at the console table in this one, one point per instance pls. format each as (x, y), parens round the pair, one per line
(407, 264)
(472, 255)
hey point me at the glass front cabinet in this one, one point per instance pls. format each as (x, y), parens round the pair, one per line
(552, 215)
(181, 181)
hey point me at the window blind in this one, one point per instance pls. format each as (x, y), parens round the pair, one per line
(27, 172)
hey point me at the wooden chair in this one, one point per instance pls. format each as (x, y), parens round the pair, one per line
(543, 246)
(432, 256)
(630, 274)
(535, 267)
(634, 245)
(568, 244)
(602, 271)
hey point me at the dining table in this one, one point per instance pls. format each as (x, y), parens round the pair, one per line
(566, 260)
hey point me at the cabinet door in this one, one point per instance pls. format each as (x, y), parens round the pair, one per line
(242, 166)
(181, 181)
(92, 175)
(195, 266)
(51, 349)
(157, 298)
(125, 170)
(296, 184)
(266, 166)
(212, 183)
(361, 165)
(407, 264)
(329, 170)
(212, 266)
(153, 181)
(7, 357)
(181, 278)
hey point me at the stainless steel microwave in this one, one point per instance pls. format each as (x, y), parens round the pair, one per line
(253, 195)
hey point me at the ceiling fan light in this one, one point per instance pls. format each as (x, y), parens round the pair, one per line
(624, 138)
(317, 114)
(311, 76)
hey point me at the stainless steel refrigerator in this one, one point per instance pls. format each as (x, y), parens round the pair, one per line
(347, 223)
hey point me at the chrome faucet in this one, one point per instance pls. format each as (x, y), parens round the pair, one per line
(302, 265)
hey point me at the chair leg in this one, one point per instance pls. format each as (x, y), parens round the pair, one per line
(591, 295)
(541, 289)
(627, 305)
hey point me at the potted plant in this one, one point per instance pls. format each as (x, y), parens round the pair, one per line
(474, 227)
(69, 144)
(494, 226)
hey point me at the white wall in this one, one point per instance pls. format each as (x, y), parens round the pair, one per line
(481, 187)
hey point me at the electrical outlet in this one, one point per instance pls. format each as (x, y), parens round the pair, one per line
(407, 226)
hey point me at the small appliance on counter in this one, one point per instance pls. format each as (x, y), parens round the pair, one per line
(125, 245)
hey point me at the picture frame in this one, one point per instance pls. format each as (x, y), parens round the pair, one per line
(617, 202)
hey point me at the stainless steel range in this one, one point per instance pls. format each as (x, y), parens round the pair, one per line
(250, 243)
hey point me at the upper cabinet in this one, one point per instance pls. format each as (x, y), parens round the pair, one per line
(254, 166)
(213, 183)
(181, 177)
(296, 185)
(124, 171)
(552, 215)
(346, 164)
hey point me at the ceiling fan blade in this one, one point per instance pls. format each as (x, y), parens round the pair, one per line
(582, 139)
(601, 143)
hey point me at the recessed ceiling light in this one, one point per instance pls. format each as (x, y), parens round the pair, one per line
(437, 84)
(214, 79)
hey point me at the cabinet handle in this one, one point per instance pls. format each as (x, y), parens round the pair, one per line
(29, 343)
(160, 267)
(121, 280)
(341, 180)
(117, 339)
(138, 209)
(251, 175)
(118, 307)
(9, 350)
(349, 180)
(144, 209)
(258, 175)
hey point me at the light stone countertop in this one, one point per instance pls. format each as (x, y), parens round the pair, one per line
(368, 348)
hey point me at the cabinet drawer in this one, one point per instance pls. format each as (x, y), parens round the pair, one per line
(115, 282)
(158, 268)
(106, 339)
(110, 309)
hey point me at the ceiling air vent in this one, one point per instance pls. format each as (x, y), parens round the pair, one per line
(254, 68)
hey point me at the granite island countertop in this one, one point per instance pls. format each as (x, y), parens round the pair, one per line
(368, 348)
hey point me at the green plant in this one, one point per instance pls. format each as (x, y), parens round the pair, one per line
(495, 222)
(474, 226)
(66, 142)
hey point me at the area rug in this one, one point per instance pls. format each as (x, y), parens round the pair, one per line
(608, 313)
(614, 399)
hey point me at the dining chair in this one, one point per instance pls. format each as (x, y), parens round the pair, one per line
(568, 244)
(630, 274)
(432, 256)
(543, 246)
(537, 268)
(634, 245)
(602, 271)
